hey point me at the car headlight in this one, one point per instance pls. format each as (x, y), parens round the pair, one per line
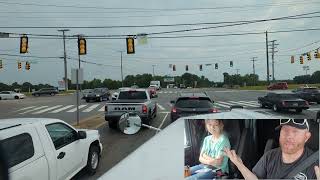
(98, 95)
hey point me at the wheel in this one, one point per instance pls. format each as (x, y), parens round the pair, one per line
(16, 97)
(262, 105)
(87, 100)
(113, 124)
(0, 98)
(298, 110)
(318, 102)
(52, 94)
(93, 159)
(100, 99)
(275, 108)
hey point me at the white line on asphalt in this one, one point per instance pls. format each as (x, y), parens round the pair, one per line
(164, 119)
(41, 107)
(75, 109)
(61, 109)
(222, 102)
(102, 109)
(314, 109)
(243, 104)
(222, 105)
(169, 104)
(47, 109)
(162, 108)
(91, 108)
(164, 112)
(249, 104)
(24, 108)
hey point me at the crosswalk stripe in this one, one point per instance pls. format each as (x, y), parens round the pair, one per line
(222, 105)
(252, 103)
(41, 107)
(102, 109)
(47, 109)
(91, 108)
(222, 102)
(61, 109)
(244, 104)
(24, 108)
(75, 109)
(162, 108)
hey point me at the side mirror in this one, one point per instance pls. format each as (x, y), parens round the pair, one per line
(82, 135)
(129, 124)
(172, 102)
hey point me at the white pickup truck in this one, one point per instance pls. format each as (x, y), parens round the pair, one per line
(47, 149)
(136, 101)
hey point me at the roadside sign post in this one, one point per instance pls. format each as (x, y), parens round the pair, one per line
(77, 78)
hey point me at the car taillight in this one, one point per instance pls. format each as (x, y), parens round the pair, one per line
(106, 108)
(284, 103)
(144, 109)
(213, 110)
(174, 110)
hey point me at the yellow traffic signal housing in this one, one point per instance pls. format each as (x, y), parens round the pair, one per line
(292, 59)
(82, 46)
(231, 63)
(130, 45)
(317, 54)
(174, 67)
(19, 65)
(216, 66)
(1, 66)
(27, 65)
(309, 56)
(301, 59)
(187, 68)
(200, 67)
(23, 44)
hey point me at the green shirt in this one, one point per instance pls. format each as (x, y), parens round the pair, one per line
(215, 150)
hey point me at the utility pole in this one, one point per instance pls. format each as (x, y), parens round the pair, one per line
(153, 69)
(273, 46)
(254, 70)
(65, 59)
(237, 71)
(267, 53)
(306, 68)
(121, 69)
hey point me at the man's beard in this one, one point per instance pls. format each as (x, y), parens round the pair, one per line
(291, 148)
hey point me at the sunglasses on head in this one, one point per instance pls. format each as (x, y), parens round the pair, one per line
(300, 122)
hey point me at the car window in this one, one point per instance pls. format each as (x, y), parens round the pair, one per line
(288, 96)
(5, 92)
(61, 134)
(132, 95)
(18, 148)
(194, 103)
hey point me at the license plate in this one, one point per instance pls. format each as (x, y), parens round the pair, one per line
(295, 104)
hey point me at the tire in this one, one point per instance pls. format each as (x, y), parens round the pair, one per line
(87, 100)
(113, 124)
(275, 108)
(318, 102)
(298, 110)
(262, 105)
(93, 159)
(0, 98)
(16, 97)
(52, 94)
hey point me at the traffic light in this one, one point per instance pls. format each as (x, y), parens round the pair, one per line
(187, 68)
(82, 46)
(309, 56)
(301, 59)
(200, 67)
(292, 59)
(23, 44)
(317, 54)
(231, 63)
(27, 65)
(1, 64)
(174, 67)
(216, 66)
(19, 65)
(130, 45)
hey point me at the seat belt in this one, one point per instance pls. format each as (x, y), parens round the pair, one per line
(304, 165)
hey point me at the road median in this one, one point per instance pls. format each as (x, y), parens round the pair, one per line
(92, 122)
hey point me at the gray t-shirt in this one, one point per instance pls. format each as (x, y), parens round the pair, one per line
(271, 166)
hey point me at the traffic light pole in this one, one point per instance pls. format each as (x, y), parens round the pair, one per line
(65, 59)
(254, 70)
(267, 53)
(121, 69)
(153, 69)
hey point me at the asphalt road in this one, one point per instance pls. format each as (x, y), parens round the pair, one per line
(117, 145)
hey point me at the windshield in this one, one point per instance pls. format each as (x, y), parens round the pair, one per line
(194, 103)
(132, 95)
(288, 96)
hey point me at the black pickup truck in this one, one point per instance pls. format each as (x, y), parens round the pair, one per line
(283, 101)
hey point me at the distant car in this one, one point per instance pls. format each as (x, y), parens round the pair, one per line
(182, 86)
(11, 95)
(98, 94)
(152, 91)
(86, 92)
(283, 101)
(318, 115)
(115, 95)
(46, 91)
(189, 87)
(189, 104)
(279, 85)
(310, 94)
(135, 87)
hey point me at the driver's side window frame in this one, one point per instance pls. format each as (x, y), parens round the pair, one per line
(66, 142)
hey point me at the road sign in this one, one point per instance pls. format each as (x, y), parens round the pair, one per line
(61, 85)
(168, 79)
(74, 76)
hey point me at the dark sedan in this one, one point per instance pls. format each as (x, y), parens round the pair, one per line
(283, 101)
(310, 94)
(46, 91)
(97, 94)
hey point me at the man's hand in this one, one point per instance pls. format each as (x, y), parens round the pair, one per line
(233, 156)
(317, 170)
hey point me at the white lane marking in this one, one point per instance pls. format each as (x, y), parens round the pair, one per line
(161, 107)
(164, 112)
(249, 103)
(41, 107)
(24, 108)
(222, 105)
(169, 104)
(222, 102)
(47, 109)
(75, 109)
(61, 109)
(244, 104)
(164, 119)
(313, 109)
(102, 109)
(91, 108)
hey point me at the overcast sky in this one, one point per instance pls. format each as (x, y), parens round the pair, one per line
(159, 52)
